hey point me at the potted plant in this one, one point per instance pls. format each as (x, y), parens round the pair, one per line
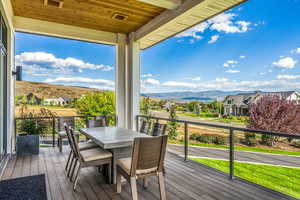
(30, 127)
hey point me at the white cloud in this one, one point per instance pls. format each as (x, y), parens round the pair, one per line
(192, 32)
(179, 84)
(242, 57)
(286, 62)
(196, 79)
(80, 80)
(147, 75)
(151, 81)
(58, 65)
(221, 80)
(213, 39)
(286, 76)
(99, 87)
(231, 71)
(226, 65)
(232, 62)
(224, 22)
(297, 50)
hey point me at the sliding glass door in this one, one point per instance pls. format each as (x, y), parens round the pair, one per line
(3, 90)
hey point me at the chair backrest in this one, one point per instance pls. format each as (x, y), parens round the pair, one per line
(148, 154)
(145, 126)
(74, 143)
(70, 121)
(96, 123)
(104, 118)
(158, 129)
(70, 140)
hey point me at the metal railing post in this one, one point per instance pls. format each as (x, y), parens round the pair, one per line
(137, 123)
(186, 141)
(53, 132)
(231, 154)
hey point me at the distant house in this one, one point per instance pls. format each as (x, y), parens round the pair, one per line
(61, 101)
(239, 104)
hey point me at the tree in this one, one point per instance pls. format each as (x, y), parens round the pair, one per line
(273, 113)
(24, 99)
(191, 105)
(172, 126)
(145, 106)
(32, 100)
(97, 103)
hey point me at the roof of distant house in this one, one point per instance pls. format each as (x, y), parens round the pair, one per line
(244, 99)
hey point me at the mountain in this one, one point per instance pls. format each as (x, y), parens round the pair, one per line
(210, 95)
(44, 90)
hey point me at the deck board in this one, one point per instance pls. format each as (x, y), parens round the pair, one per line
(184, 180)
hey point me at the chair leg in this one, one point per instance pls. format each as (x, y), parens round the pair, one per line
(133, 188)
(146, 181)
(109, 173)
(68, 162)
(71, 166)
(119, 184)
(76, 177)
(162, 189)
(73, 170)
(60, 145)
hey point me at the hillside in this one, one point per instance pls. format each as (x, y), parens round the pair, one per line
(43, 90)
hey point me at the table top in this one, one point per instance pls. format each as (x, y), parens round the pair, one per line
(112, 137)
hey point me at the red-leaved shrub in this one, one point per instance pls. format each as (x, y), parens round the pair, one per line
(273, 113)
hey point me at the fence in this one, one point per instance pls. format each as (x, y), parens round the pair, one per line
(52, 124)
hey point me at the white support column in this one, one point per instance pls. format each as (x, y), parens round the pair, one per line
(132, 83)
(121, 79)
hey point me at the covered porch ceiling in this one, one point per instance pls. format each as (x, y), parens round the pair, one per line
(147, 21)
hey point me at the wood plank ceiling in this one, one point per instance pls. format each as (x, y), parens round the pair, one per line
(93, 14)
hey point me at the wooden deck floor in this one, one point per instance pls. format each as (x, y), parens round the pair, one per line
(184, 180)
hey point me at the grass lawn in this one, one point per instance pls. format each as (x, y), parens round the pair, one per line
(282, 179)
(241, 148)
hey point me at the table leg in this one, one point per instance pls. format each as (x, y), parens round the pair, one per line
(118, 153)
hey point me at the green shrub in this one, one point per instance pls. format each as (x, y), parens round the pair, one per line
(296, 143)
(194, 136)
(221, 140)
(206, 138)
(250, 139)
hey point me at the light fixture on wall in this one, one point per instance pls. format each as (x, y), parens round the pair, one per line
(18, 73)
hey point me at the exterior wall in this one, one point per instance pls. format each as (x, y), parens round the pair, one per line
(6, 12)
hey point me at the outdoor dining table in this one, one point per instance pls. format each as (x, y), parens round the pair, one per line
(115, 139)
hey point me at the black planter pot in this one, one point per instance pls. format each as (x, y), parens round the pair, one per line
(28, 144)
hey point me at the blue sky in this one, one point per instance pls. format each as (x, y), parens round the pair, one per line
(255, 46)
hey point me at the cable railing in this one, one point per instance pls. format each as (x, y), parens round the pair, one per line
(230, 128)
(52, 123)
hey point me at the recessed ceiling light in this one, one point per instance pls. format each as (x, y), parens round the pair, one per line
(58, 3)
(119, 16)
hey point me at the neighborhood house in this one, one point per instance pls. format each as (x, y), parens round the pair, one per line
(239, 104)
(61, 101)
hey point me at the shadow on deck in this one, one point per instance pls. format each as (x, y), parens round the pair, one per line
(184, 180)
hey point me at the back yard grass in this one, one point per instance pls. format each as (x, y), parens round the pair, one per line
(240, 148)
(282, 179)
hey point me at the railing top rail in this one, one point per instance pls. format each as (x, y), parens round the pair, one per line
(57, 117)
(236, 128)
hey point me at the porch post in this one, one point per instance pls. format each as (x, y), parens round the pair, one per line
(121, 80)
(132, 82)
